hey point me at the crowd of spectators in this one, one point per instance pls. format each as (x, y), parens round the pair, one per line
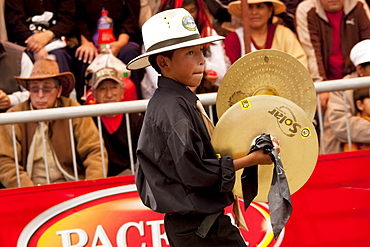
(319, 33)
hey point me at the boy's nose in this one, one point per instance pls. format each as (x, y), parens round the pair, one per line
(202, 59)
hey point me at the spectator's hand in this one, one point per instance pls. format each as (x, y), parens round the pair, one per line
(41, 54)
(115, 47)
(37, 41)
(324, 97)
(4, 100)
(86, 52)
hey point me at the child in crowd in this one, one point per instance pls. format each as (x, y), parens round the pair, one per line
(341, 114)
(178, 172)
(361, 98)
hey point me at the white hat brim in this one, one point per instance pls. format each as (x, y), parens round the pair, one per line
(142, 61)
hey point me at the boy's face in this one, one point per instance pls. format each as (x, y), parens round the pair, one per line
(186, 65)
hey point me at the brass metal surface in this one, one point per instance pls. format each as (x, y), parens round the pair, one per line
(267, 72)
(276, 116)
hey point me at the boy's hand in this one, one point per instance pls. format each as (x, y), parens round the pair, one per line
(257, 157)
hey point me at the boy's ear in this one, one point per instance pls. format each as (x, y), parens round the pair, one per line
(163, 62)
(359, 105)
(359, 70)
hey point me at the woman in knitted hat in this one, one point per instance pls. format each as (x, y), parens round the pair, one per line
(264, 34)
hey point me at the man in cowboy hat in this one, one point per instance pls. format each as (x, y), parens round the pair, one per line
(48, 89)
(178, 172)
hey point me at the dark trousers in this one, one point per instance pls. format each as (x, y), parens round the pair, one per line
(182, 230)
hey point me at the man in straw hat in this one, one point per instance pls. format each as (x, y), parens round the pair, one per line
(178, 172)
(48, 89)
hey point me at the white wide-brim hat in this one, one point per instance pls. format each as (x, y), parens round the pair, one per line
(168, 30)
(360, 52)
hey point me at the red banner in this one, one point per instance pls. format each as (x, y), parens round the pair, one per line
(331, 209)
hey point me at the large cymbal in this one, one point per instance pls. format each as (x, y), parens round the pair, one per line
(267, 72)
(276, 116)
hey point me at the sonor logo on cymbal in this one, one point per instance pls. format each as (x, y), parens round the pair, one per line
(286, 120)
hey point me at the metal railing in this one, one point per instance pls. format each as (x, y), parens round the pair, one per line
(208, 99)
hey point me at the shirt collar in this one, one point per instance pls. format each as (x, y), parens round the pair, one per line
(165, 82)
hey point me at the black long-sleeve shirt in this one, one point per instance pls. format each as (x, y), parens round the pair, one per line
(178, 170)
(18, 11)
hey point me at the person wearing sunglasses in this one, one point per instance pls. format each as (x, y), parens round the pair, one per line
(49, 89)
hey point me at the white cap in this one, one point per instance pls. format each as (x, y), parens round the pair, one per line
(360, 53)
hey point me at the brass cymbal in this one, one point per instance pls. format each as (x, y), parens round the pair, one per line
(267, 72)
(276, 116)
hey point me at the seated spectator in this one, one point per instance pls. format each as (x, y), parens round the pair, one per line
(106, 60)
(264, 34)
(44, 27)
(327, 31)
(48, 89)
(335, 124)
(125, 16)
(108, 87)
(361, 99)
(13, 62)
